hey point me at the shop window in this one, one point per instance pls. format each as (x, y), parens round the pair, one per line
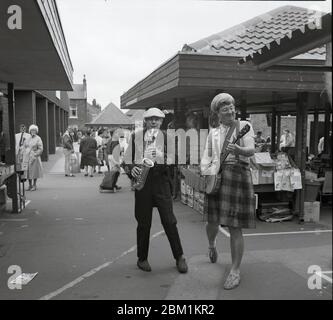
(73, 111)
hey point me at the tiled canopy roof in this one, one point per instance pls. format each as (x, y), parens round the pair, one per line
(112, 115)
(248, 37)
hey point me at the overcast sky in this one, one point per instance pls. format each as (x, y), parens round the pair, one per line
(116, 43)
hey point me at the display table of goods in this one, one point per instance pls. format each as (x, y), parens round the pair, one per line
(192, 187)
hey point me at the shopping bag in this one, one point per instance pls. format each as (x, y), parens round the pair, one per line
(286, 184)
(109, 180)
(278, 180)
(295, 179)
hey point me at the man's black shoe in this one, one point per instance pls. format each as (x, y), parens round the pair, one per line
(144, 265)
(182, 265)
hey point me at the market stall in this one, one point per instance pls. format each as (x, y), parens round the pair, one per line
(189, 80)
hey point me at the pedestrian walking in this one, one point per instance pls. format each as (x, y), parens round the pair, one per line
(68, 149)
(106, 137)
(100, 151)
(155, 192)
(20, 139)
(114, 158)
(234, 204)
(34, 150)
(88, 147)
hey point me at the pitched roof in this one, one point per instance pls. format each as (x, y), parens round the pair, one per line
(111, 114)
(79, 92)
(248, 37)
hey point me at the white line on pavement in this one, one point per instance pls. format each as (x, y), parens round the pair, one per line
(12, 220)
(226, 233)
(289, 232)
(92, 272)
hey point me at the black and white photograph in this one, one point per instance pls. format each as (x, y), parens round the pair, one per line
(166, 155)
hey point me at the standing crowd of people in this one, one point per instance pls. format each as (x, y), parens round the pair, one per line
(95, 151)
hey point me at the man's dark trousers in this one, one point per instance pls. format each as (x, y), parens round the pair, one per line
(156, 193)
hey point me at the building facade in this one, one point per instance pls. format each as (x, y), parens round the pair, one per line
(80, 111)
(47, 109)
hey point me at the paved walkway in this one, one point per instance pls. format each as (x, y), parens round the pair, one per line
(82, 244)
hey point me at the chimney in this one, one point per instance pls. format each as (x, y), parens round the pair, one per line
(94, 102)
(84, 81)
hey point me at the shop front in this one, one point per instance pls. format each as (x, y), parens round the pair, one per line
(34, 60)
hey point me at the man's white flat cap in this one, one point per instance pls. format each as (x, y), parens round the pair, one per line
(153, 112)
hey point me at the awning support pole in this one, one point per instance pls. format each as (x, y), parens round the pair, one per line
(12, 185)
(315, 135)
(301, 134)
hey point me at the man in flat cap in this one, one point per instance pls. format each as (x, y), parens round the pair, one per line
(151, 143)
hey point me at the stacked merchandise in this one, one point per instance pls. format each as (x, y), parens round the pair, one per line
(5, 172)
(262, 168)
(190, 195)
(287, 176)
(312, 190)
(275, 212)
(279, 170)
(199, 201)
(192, 189)
(3, 198)
(183, 191)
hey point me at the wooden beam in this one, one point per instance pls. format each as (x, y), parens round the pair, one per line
(304, 68)
(301, 133)
(12, 183)
(179, 113)
(328, 76)
(274, 138)
(243, 105)
(278, 129)
(272, 102)
(278, 55)
(327, 129)
(314, 138)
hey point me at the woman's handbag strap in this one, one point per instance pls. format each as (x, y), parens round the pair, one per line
(226, 142)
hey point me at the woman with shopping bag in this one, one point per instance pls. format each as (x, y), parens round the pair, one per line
(34, 150)
(68, 149)
(114, 159)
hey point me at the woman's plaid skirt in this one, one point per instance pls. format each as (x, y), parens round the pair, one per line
(234, 204)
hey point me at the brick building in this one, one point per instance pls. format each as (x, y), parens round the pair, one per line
(80, 110)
